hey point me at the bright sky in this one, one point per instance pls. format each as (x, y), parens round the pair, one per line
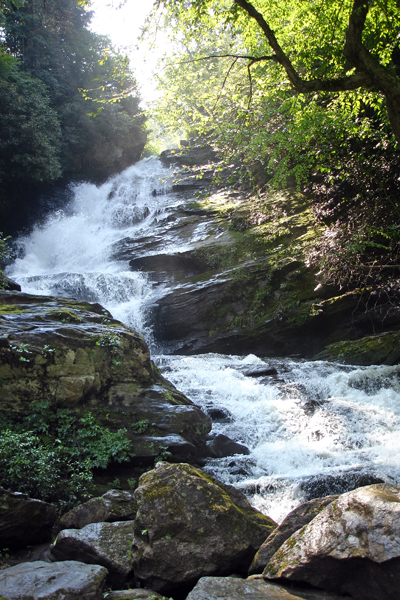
(123, 26)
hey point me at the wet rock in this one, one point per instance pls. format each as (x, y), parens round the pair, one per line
(106, 544)
(24, 521)
(381, 349)
(189, 525)
(261, 372)
(324, 485)
(227, 588)
(352, 546)
(222, 446)
(53, 581)
(9, 284)
(294, 521)
(114, 505)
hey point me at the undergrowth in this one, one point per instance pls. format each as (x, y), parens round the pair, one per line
(50, 453)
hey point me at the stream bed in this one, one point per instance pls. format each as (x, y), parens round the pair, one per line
(312, 428)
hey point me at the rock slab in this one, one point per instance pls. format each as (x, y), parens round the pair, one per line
(24, 521)
(189, 525)
(114, 505)
(53, 581)
(226, 588)
(351, 547)
(106, 544)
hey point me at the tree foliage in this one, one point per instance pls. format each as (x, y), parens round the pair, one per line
(48, 124)
(304, 93)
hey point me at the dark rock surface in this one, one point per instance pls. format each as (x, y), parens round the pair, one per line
(222, 446)
(352, 546)
(24, 521)
(189, 525)
(53, 581)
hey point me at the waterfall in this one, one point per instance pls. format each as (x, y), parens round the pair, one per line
(312, 428)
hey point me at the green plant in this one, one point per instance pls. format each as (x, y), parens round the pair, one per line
(47, 350)
(50, 453)
(131, 483)
(117, 482)
(22, 350)
(112, 341)
(163, 454)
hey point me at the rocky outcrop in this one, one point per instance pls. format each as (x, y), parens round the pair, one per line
(74, 355)
(106, 544)
(225, 588)
(53, 581)
(114, 505)
(189, 525)
(294, 521)
(352, 546)
(24, 521)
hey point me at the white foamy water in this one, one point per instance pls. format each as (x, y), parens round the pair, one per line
(312, 428)
(72, 253)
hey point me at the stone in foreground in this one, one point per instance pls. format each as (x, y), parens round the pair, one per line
(53, 581)
(106, 544)
(352, 546)
(226, 588)
(24, 521)
(189, 525)
(114, 505)
(294, 521)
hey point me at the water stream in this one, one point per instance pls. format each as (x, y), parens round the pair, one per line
(312, 428)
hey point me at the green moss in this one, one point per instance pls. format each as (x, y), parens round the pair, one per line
(64, 315)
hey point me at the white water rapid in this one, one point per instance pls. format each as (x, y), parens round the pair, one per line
(312, 428)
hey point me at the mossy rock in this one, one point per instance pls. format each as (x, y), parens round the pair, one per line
(381, 349)
(189, 525)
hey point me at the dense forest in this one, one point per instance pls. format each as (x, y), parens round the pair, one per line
(61, 110)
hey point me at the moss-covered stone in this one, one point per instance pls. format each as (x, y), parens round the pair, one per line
(189, 525)
(382, 349)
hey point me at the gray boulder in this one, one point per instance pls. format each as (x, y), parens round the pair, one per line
(106, 544)
(53, 581)
(227, 588)
(222, 446)
(24, 521)
(114, 505)
(189, 525)
(351, 547)
(294, 521)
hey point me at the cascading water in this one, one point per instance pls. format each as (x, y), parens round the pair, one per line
(312, 428)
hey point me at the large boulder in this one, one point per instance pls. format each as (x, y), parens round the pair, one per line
(227, 588)
(24, 521)
(106, 544)
(351, 547)
(74, 355)
(114, 505)
(294, 521)
(189, 525)
(52, 581)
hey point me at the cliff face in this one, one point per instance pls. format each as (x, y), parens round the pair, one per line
(243, 281)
